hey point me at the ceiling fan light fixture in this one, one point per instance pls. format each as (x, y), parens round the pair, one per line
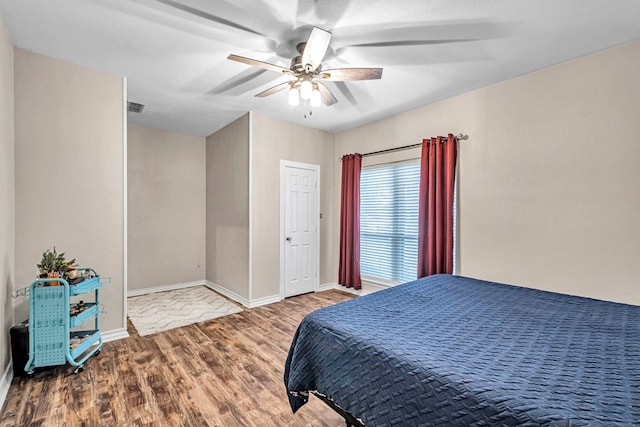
(305, 89)
(294, 96)
(316, 99)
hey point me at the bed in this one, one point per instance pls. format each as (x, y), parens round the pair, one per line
(454, 351)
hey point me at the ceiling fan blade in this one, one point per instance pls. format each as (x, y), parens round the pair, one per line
(425, 33)
(346, 92)
(274, 89)
(417, 55)
(323, 13)
(239, 81)
(346, 74)
(326, 95)
(259, 64)
(203, 14)
(412, 43)
(316, 47)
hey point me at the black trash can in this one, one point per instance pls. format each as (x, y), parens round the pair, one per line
(20, 347)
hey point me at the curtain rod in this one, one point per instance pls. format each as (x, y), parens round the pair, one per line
(459, 137)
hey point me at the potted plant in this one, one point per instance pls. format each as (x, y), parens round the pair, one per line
(54, 265)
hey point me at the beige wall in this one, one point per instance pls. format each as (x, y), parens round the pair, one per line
(227, 245)
(274, 140)
(166, 208)
(548, 180)
(69, 172)
(7, 195)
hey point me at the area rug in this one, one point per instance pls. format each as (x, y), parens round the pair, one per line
(162, 311)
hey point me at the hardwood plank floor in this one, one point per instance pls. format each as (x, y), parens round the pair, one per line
(222, 372)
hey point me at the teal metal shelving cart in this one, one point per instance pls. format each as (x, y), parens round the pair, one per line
(52, 337)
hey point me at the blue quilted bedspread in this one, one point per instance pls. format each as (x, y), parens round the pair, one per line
(455, 351)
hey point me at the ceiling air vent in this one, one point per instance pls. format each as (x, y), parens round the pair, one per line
(134, 107)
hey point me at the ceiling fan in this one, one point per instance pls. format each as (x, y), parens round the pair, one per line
(306, 73)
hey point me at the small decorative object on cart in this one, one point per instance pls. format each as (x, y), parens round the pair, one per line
(77, 308)
(54, 265)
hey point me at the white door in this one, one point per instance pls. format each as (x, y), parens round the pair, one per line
(299, 231)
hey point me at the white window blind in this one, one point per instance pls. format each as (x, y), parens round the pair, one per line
(389, 222)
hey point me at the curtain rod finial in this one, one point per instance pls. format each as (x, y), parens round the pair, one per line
(461, 137)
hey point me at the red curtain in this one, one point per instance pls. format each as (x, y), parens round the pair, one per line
(435, 227)
(349, 265)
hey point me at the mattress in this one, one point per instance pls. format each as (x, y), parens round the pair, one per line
(454, 351)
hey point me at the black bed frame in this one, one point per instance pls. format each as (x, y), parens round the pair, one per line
(348, 418)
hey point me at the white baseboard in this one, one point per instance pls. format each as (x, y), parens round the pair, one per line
(338, 287)
(227, 293)
(114, 335)
(264, 301)
(333, 285)
(6, 383)
(328, 286)
(240, 299)
(373, 287)
(164, 288)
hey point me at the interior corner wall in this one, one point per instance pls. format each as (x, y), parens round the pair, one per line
(548, 180)
(69, 166)
(166, 208)
(275, 140)
(7, 197)
(227, 208)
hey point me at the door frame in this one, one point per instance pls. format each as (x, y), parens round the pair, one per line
(316, 168)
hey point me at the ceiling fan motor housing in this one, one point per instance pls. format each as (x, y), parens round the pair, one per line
(298, 68)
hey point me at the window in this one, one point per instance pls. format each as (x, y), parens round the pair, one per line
(389, 222)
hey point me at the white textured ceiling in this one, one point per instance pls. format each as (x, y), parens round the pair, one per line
(173, 52)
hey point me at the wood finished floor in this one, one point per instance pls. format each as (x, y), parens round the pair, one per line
(222, 372)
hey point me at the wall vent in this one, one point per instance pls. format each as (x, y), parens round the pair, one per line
(134, 107)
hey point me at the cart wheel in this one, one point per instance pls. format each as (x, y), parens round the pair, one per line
(31, 374)
(78, 369)
(97, 353)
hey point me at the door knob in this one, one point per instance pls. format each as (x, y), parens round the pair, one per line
(288, 239)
